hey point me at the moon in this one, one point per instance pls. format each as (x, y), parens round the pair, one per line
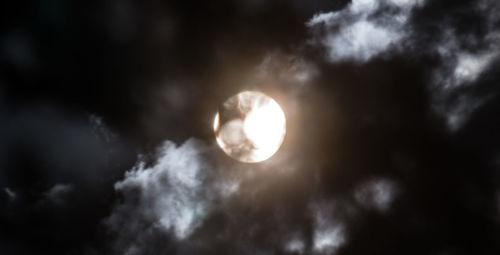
(250, 127)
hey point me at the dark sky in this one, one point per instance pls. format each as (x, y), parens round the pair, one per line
(392, 146)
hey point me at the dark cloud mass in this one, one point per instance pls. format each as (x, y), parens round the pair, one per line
(392, 145)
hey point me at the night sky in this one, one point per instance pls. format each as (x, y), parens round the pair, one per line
(392, 144)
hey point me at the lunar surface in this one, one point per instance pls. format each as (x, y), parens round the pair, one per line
(250, 127)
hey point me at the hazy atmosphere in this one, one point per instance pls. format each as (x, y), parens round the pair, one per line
(110, 141)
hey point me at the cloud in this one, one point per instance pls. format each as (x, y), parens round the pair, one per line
(100, 130)
(17, 49)
(376, 194)
(358, 33)
(10, 194)
(329, 232)
(461, 68)
(73, 147)
(168, 193)
(171, 197)
(465, 56)
(187, 200)
(292, 71)
(366, 29)
(470, 66)
(328, 239)
(58, 193)
(295, 245)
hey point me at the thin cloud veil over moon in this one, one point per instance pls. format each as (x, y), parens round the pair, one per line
(250, 127)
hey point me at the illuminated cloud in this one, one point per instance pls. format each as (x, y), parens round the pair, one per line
(361, 32)
(329, 232)
(288, 69)
(295, 245)
(461, 68)
(168, 194)
(469, 66)
(328, 239)
(172, 197)
(356, 33)
(377, 194)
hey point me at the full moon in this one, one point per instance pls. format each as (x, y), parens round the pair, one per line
(250, 126)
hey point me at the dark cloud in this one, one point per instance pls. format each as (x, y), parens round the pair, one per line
(392, 146)
(59, 193)
(56, 168)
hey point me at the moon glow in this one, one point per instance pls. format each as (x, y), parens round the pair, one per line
(250, 127)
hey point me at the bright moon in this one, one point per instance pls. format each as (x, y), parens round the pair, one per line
(250, 127)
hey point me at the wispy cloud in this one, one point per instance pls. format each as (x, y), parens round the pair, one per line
(292, 71)
(329, 232)
(58, 193)
(10, 194)
(172, 196)
(376, 194)
(358, 33)
(296, 245)
(461, 66)
(366, 29)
